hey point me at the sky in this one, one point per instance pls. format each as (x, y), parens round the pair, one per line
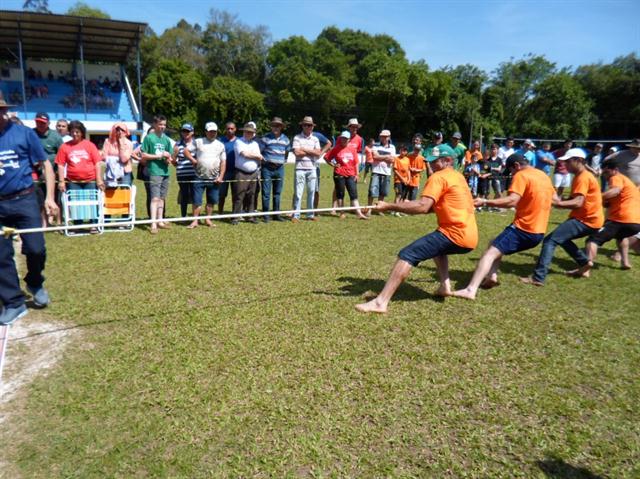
(484, 33)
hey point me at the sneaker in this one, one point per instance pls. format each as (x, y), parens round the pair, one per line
(11, 315)
(234, 222)
(267, 219)
(40, 296)
(252, 220)
(278, 218)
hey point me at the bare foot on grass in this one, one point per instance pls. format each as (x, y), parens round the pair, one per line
(443, 291)
(371, 307)
(582, 272)
(465, 294)
(489, 283)
(531, 281)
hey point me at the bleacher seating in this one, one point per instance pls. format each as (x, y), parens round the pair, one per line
(53, 104)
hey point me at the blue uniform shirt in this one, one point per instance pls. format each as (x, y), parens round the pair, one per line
(274, 149)
(321, 138)
(529, 155)
(546, 167)
(230, 165)
(20, 151)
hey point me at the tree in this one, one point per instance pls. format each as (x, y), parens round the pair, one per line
(173, 89)
(230, 99)
(40, 6)
(559, 108)
(235, 49)
(81, 9)
(183, 42)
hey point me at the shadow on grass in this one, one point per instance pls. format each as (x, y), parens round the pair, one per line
(359, 286)
(557, 468)
(158, 314)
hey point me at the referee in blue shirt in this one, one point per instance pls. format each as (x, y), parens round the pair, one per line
(20, 152)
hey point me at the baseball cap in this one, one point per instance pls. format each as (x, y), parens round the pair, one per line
(457, 135)
(529, 142)
(187, 126)
(345, 134)
(210, 126)
(440, 151)
(573, 153)
(438, 134)
(385, 133)
(42, 116)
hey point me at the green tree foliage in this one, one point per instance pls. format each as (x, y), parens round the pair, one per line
(81, 9)
(183, 42)
(559, 108)
(229, 99)
(235, 49)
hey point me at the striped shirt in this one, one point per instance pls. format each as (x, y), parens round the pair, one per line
(275, 149)
(184, 168)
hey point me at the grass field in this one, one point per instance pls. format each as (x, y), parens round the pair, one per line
(237, 352)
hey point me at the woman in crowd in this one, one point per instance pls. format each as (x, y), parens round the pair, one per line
(116, 153)
(344, 159)
(78, 162)
(185, 172)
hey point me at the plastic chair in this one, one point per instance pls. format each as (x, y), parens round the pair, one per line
(82, 205)
(120, 201)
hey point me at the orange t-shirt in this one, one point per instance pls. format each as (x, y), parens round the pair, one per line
(590, 213)
(401, 170)
(453, 206)
(368, 154)
(536, 192)
(467, 156)
(624, 208)
(416, 160)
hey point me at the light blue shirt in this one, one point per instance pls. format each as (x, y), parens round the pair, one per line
(274, 149)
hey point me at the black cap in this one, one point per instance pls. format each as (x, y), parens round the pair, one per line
(516, 158)
(42, 116)
(610, 163)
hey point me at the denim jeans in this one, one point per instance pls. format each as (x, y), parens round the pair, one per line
(302, 178)
(562, 236)
(272, 177)
(20, 212)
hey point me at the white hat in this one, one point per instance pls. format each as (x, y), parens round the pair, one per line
(573, 153)
(385, 133)
(352, 122)
(345, 134)
(529, 142)
(211, 126)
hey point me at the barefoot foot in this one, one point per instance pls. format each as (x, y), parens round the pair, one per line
(465, 294)
(371, 307)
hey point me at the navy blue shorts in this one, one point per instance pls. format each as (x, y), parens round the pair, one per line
(212, 191)
(429, 246)
(512, 240)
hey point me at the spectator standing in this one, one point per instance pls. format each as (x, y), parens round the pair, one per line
(21, 153)
(594, 160)
(185, 171)
(428, 151)
(156, 151)
(368, 159)
(209, 162)
(496, 167)
(62, 127)
(307, 150)
(458, 148)
(325, 145)
(275, 148)
(544, 158)
(116, 153)
(344, 159)
(229, 141)
(561, 177)
(51, 142)
(384, 153)
(473, 153)
(416, 166)
(248, 159)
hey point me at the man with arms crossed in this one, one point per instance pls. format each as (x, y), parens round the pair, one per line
(447, 195)
(531, 193)
(585, 219)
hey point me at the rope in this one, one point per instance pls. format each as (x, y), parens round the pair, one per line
(8, 232)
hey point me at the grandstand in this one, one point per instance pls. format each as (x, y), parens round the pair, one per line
(70, 67)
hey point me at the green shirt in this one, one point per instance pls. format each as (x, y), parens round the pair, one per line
(459, 151)
(155, 145)
(427, 152)
(51, 142)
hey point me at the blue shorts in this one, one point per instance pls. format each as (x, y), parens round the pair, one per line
(212, 189)
(429, 246)
(379, 185)
(512, 240)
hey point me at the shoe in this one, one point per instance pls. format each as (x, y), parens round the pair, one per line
(40, 296)
(267, 219)
(234, 222)
(530, 280)
(278, 218)
(252, 221)
(11, 315)
(295, 220)
(314, 218)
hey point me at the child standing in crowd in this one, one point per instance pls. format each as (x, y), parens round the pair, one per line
(472, 173)
(368, 158)
(484, 178)
(401, 175)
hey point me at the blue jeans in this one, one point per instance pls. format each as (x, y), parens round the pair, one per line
(272, 177)
(429, 246)
(304, 178)
(562, 236)
(20, 212)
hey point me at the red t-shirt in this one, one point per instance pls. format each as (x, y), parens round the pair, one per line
(357, 142)
(346, 160)
(80, 159)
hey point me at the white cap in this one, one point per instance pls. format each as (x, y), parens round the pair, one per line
(345, 134)
(385, 133)
(529, 142)
(573, 153)
(211, 126)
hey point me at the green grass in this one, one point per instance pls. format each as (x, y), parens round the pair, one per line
(237, 352)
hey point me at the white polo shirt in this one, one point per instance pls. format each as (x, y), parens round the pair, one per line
(380, 167)
(210, 155)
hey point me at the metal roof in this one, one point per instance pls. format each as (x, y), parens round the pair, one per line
(58, 37)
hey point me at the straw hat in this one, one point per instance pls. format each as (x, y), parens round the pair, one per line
(307, 119)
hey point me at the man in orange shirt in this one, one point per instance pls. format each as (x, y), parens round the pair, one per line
(416, 166)
(447, 195)
(623, 216)
(586, 217)
(531, 193)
